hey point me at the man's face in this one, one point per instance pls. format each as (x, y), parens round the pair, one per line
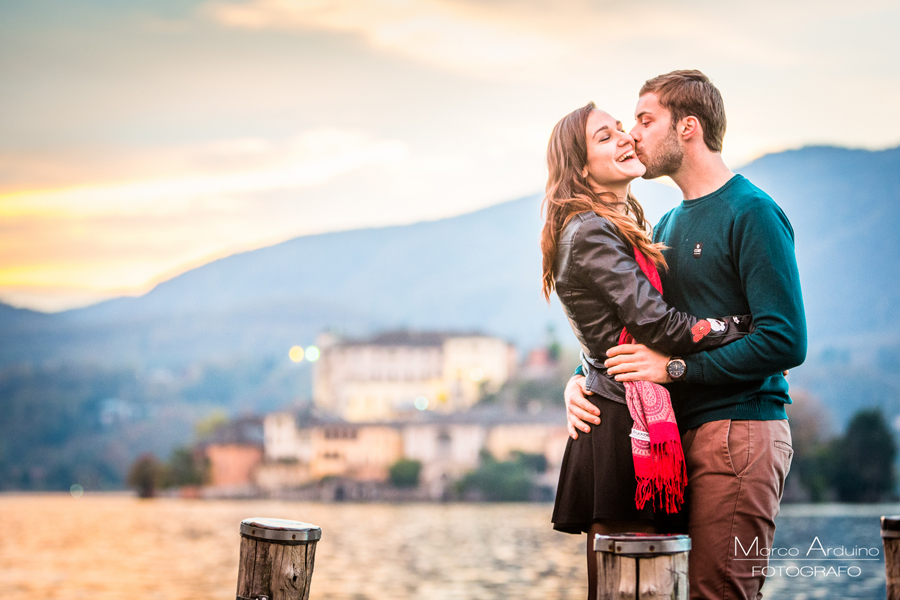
(655, 140)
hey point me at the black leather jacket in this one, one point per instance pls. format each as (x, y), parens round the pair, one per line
(602, 289)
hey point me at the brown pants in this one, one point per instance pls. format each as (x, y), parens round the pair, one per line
(736, 472)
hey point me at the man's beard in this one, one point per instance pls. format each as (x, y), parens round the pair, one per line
(667, 159)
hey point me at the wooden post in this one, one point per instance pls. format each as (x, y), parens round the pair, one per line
(890, 537)
(634, 566)
(276, 559)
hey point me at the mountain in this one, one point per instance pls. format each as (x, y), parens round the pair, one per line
(482, 271)
(845, 209)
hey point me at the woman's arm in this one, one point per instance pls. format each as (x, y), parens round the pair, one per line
(606, 265)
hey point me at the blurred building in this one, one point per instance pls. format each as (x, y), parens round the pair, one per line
(303, 447)
(392, 374)
(538, 365)
(234, 452)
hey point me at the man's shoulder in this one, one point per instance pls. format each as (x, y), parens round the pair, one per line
(743, 196)
(754, 210)
(664, 220)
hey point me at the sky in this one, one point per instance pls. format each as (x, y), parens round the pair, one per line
(141, 139)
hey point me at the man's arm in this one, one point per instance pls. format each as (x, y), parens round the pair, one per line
(763, 248)
(636, 362)
(607, 267)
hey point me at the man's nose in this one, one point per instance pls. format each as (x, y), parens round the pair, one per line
(634, 133)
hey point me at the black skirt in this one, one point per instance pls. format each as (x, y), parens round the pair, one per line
(596, 482)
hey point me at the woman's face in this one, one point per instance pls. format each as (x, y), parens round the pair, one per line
(611, 161)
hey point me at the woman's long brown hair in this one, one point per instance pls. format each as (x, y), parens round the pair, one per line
(568, 193)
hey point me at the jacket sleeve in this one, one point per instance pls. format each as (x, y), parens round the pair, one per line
(763, 250)
(607, 267)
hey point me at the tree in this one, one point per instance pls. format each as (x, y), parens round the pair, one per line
(810, 423)
(531, 461)
(496, 481)
(213, 422)
(186, 467)
(146, 475)
(862, 460)
(554, 348)
(405, 473)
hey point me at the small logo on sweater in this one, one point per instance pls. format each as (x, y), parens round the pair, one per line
(698, 249)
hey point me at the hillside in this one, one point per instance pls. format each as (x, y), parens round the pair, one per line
(482, 271)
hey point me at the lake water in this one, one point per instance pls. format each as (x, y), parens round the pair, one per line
(118, 547)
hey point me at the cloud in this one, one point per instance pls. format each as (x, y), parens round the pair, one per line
(75, 245)
(441, 33)
(135, 146)
(311, 159)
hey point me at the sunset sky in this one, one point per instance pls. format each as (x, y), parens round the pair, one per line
(140, 139)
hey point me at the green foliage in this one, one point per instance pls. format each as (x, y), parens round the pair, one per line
(185, 467)
(212, 423)
(405, 473)
(501, 481)
(808, 426)
(52, 434)
(861, 462)
(146, 475)
(67, 424)
(855, 467)
(554, 348)
(531, 461)
(813, 469)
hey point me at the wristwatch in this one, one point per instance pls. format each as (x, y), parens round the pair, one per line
(676, 369)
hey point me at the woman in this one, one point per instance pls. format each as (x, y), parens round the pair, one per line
(595, 236)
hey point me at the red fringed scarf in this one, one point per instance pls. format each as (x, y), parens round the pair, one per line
(655, 442)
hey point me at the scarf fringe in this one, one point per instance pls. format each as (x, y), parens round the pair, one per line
(666, 479)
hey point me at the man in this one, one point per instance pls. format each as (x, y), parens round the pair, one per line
(730, 252)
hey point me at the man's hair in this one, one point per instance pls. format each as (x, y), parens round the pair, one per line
(690, 93)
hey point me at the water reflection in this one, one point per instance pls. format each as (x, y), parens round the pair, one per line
(120, 547)
(113, 547)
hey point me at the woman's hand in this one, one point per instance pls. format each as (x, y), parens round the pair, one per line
(579, 411)
(637, 362)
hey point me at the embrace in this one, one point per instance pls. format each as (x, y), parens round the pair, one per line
(677, 416)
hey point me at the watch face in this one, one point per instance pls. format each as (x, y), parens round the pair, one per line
(675, 369)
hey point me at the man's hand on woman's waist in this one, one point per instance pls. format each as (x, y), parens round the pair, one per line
(579, 411)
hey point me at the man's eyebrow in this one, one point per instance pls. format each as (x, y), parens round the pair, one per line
(599, 130)
(638, 116)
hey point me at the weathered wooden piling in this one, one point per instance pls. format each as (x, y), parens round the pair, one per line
(890, 537)
(277, 559)
(633, 566)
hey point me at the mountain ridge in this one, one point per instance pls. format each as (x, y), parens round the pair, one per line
(481, 270)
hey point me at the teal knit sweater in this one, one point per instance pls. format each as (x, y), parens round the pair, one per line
(732, 253)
